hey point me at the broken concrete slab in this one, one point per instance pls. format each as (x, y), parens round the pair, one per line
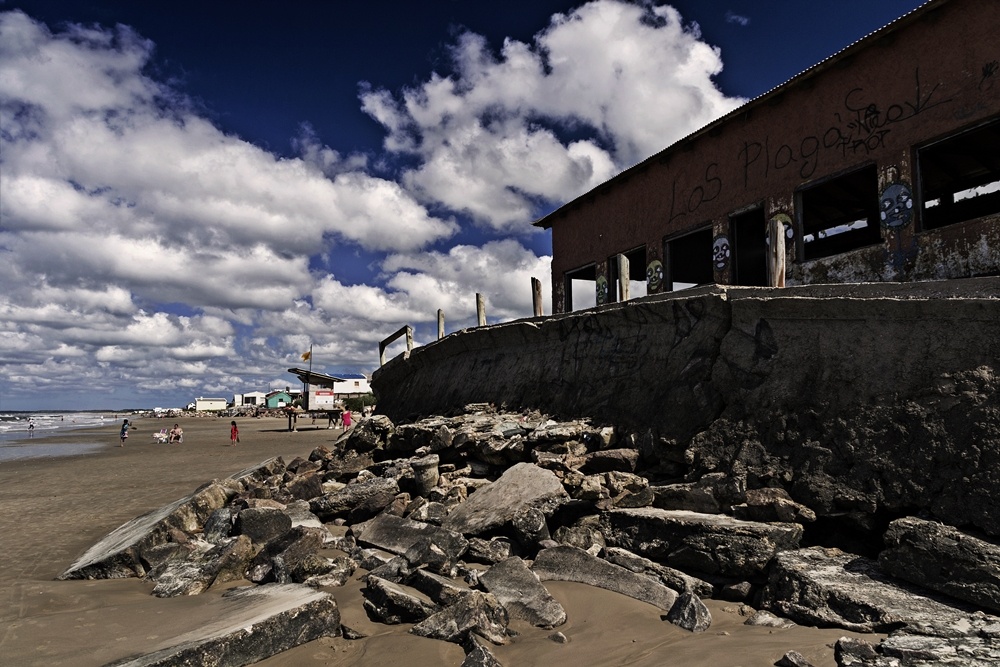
(396, 535)
(828, 587)
(253, 624)
(522, 594)
(710, 543)
(564, 563)
(356, 502)
(944, 559)
(120, 553)
(521, 486)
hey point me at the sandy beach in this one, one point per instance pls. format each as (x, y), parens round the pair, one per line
(53, 509)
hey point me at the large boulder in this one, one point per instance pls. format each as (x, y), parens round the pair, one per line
(356, 502)
(520, 487)
(943, 559)
(710, 543)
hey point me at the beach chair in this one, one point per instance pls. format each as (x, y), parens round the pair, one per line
(161, 437)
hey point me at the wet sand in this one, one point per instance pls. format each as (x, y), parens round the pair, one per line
(54, 509)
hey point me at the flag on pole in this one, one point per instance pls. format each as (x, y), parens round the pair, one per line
(306, 356)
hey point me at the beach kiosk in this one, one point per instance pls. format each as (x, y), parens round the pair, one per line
(318, 395)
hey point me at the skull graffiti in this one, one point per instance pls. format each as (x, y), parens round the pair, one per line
(602, 290)
(896, 205)
(654, 276)
(720, 252)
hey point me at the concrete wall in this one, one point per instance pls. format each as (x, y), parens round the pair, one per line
(870, 397)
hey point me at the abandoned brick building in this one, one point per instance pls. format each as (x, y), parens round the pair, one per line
(880, 163)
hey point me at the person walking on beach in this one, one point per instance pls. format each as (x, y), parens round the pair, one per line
(234, 433)
(31, 428)
(346, 419)
(124, 433)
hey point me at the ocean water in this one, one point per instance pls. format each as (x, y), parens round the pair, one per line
(55, 433)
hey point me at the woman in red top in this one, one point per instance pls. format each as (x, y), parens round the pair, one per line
(234, 433)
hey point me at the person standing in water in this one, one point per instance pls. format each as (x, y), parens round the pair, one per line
(234, 433)
(124, 432)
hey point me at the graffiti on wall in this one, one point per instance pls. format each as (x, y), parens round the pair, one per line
(896, 205)
(602, 290)
(654, 277)
(861, 127)
(720, 252)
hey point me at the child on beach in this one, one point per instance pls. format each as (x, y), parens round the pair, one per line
(346, 419)
(124, 433)
(234, 433)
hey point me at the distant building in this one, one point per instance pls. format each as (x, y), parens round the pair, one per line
(210, 404)
(277, 399)
(253, 398)
(351, 385)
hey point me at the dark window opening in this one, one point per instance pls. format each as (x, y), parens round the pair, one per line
(636, 274)
(688, 260)
(840, 214)
(960, 177)
(581, 288)
(749, 248)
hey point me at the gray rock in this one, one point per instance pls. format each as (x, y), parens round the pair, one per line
(564, 563)
(426, 553)
(772, 504)
(396, 535)
(442, 590)
(262, 524)
(689, 496)
(292, 547)
(943, 559)
(690, 613)
(219, 525)
(621, 460)
(521, 486)
(183, 578)
(478, 655)
(477, 612)
(305, 486)
(394, 603)
(852, 652)
(254, 624)
(356, 502)
(766, 619)
(913, 650)
(530, 526)
(583, 537)
(674, 579)
(493, 550)
(522, 594)
(793, 659)
(827, 587)
(710, 543)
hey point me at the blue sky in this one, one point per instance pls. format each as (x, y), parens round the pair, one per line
(192, 193)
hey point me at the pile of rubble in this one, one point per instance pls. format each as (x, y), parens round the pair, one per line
(457, 522)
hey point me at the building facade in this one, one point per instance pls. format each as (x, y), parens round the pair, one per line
(881, 163)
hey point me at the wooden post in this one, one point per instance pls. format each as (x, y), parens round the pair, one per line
(536, 296)
(405, 330)
(440, 324)
(775, 253)
(481, 309)
(624, 289)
